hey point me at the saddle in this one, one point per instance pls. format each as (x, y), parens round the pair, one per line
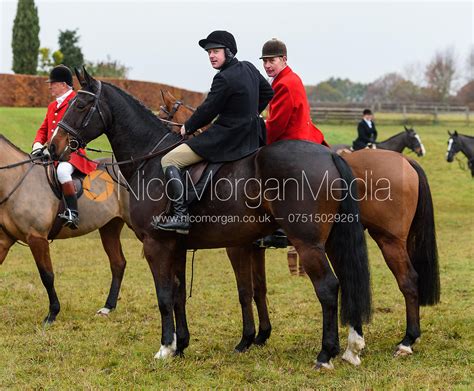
(196, 179)
(55, 186)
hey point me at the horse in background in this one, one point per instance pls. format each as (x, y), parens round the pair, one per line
(26, 186)
(458, 142)
(397, 143)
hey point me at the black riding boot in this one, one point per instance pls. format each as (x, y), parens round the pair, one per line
(71, 214)
(179, 220)
(277, 239)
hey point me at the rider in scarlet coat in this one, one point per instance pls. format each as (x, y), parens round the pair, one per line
(288, 112)
(60, 85)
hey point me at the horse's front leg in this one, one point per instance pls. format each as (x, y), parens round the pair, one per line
(39, 247)
(160, 257)
(110, 236)
(182, 331)
(260, 295)
(240, 257)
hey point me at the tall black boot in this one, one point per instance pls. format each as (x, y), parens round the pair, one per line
(179, 220)
(71, 214)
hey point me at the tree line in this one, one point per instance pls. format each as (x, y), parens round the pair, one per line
(31, 59)
(434, 82)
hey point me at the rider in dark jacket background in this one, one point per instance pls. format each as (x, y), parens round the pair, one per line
(367, 134)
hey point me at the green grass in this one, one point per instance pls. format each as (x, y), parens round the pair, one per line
(84, 351)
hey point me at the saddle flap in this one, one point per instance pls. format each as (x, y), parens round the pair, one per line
(197, 177)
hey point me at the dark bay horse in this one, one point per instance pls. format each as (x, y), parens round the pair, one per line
(255, 195)
(397, 143)
(403, 228)
(461, 143)
(28, 209)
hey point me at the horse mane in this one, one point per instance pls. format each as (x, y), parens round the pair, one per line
(465, 135)
(139, 105)
(395, 135)
(3, 138)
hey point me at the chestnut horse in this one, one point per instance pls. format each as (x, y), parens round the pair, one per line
(28, 209)
(260, 193)
(402, 227)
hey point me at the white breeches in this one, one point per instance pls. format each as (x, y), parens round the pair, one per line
(65, 171)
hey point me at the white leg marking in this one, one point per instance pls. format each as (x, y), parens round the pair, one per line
(104, 311)
(403, 350)
(327, 366)
(355, 344)
(167, 351)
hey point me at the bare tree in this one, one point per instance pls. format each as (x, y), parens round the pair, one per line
(470, 64)
(440, 74)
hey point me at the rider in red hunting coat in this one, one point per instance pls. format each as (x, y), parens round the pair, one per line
(60, 85)
(288, 112)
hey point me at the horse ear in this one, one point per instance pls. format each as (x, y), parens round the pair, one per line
(87, 78)
(449, 132)
(406, 129)
(79, 76)
(455, 133)
(162, 96)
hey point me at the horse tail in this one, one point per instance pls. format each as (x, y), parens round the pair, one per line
(421, 243)
(347, 239)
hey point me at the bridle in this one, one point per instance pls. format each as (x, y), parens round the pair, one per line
(170, 114)
(77, 141)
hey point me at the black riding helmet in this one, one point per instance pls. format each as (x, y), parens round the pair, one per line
(220, 39)
(60, 74)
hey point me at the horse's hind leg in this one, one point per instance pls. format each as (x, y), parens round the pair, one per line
(39, 247)
(260, 295)
(110, 236)
(326, 287)
(396, 256)
(240, 258)
(355, 338)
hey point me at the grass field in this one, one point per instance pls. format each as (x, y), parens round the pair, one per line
(82, 350)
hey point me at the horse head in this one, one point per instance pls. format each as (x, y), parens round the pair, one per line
(83, 121)
(414, 142)
(453, 146)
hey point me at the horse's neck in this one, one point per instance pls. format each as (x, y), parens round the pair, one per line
(10, 176)
(133, 135)
(467, 146)
(395, 143)
(9, 154)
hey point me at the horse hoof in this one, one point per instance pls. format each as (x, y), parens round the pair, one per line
(351, 358)
(262, 337)
(324, 366)
(167, 351)
(48, 321)
(403, 350)
(104, 311)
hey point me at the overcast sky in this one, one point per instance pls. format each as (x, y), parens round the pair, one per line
(158, 39)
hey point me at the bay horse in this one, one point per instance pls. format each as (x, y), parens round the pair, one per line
(404, 230)
(28, 209)
(397, 143)
(255, 198)
(458, 142)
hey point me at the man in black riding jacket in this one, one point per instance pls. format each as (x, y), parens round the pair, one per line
(239, 93)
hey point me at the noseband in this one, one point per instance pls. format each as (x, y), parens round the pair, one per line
(76, 141)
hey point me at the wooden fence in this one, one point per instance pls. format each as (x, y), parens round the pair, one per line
(329, 111)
